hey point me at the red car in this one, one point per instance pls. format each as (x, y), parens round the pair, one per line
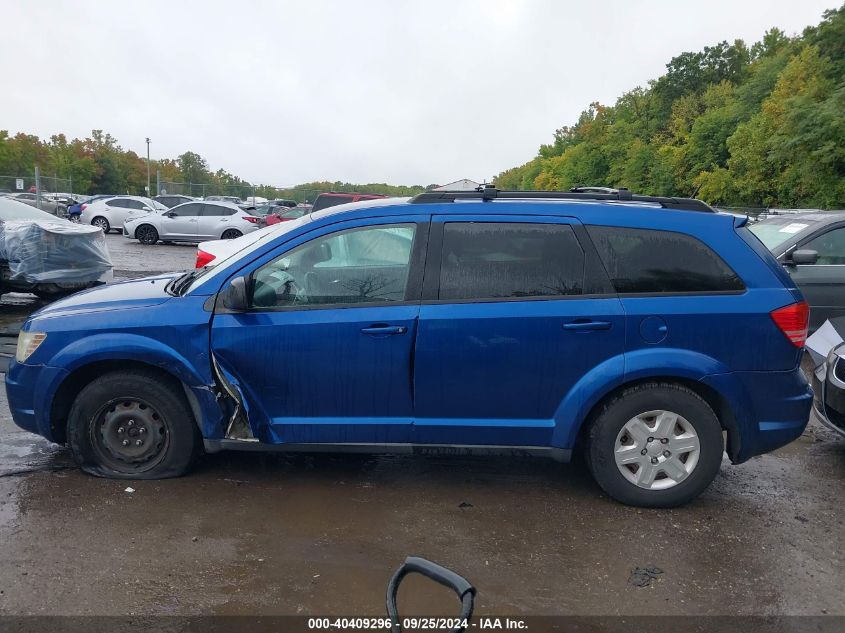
(326, 200)
(274, 215)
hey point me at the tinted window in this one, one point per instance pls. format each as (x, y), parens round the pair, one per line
(830, 247)
(324, 202)
(118, 203)
(646, 261)
(187, 209)
(216, 210)
(357, 266)
(488, 260)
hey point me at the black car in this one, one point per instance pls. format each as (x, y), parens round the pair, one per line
(811, 246)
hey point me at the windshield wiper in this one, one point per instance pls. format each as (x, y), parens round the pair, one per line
(177, 286)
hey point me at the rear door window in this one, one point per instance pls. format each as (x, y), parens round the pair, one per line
(647, 261)
(217, 210)
(508, 260)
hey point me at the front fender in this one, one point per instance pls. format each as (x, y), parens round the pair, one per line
(620, 370)
(133, 347)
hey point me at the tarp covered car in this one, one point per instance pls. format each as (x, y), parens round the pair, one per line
(50, 257)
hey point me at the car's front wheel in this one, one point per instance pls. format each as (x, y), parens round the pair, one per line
(655, 445)
(146, 234)
(132, 425)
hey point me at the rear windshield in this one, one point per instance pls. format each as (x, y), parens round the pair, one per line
(324, 202)
(775, 231)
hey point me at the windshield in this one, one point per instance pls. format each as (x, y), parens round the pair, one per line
(243, 246)
(775, 231)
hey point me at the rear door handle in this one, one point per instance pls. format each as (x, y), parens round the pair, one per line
(586, 326)
(384, 330)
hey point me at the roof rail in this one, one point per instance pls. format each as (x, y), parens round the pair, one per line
(487, 193)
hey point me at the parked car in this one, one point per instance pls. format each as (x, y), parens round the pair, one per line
(332, 198)
(109, 213)
(829, 379)
(48, 205)
(48, 256)
(171, 200)
(637, 329)
(213, 252)
(76, 209)
(191, 222)
(281, 202)
(811, 246)
(270, 215)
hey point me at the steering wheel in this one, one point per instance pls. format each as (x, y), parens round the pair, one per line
(279, 289)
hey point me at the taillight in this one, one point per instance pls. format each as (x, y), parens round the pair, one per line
(250, 218)
(203, 258)
(793, 321)
(83, 207)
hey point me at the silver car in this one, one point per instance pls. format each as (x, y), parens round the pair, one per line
(190, 222)
(48, 204)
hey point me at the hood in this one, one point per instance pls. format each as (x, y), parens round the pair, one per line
(137, 293)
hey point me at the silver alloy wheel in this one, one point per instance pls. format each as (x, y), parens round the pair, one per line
(657, 450)
(101, 223)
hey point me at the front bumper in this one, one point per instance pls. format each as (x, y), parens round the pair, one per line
(829, 400)
(29, 389)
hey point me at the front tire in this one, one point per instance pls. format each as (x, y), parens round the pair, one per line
(146, 234)
(132, 425)
(655, 445)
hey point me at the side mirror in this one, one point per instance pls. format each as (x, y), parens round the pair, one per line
(234, 297)
(805, 257)
(170, 214)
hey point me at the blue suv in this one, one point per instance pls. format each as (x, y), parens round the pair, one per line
(652, 334)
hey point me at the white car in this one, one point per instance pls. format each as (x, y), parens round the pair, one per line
(191, 222)
(110, 213)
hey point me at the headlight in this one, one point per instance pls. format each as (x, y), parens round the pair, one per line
(28, 342)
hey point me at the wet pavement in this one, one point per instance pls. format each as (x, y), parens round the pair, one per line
(247, 533)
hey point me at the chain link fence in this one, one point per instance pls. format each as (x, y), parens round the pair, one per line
(26, 184)
(203, 190)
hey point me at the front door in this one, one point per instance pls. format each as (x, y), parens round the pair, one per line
(506, 330)
(823, 283)
(181, 222)
(324, 353)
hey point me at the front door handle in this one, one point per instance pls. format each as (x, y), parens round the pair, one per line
(584, 325)
(384, 330)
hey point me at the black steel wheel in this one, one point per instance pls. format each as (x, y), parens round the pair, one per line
(133, 425)
(146, 234)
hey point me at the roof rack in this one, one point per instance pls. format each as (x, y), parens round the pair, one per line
(487, 193)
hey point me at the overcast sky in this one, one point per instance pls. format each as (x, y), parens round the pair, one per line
(362, 91)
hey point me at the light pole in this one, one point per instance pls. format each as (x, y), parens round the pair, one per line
(148, 165)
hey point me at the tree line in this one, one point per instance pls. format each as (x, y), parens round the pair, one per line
(758, 126)
(98, 164)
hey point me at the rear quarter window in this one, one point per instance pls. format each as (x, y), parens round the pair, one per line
(647, 261)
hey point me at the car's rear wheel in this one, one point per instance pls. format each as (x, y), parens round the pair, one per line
(132, 425)
(146, 234)
(102, 223)
(230, 234)
(655, 445)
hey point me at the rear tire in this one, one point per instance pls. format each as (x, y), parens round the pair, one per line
(132, 425)
(230, 234)
(102, 223)
(146, 234)
(631, 427)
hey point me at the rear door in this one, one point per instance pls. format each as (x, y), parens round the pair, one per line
(213, 220)
(823, 283)
(181, 221)
(513, 316)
